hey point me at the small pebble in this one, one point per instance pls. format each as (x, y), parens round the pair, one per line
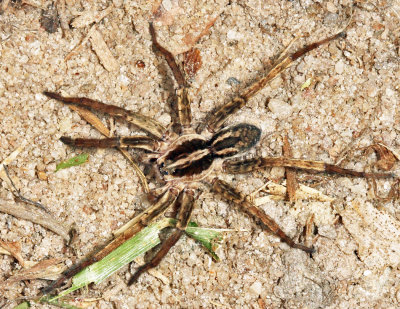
(165, 119)
(331, 7)
(234, 35)
(372, 91)
(277, 172)
(256, 288)
(167, 5)
(231, 81)
(42, 175)
(330, 19)
(367, 273)
(280, 108)
(339, 67)
(65, 125)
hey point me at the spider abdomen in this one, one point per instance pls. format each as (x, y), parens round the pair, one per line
(233, 140)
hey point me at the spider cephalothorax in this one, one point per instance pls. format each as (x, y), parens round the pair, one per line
(183, 160)
(191, 156)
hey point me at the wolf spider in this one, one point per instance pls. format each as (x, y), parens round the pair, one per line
(183, 160)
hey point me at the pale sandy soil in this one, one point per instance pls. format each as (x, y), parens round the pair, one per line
(351, 103)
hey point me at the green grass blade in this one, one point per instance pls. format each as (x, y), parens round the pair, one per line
(142, 242)
(209, 238)
(306, 84)
(57, 303)
(24, 305)
(77, 160)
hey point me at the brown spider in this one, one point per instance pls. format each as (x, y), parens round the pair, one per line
(183, 160)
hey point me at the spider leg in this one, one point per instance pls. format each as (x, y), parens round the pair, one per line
(137, 142)
(248, 165)
(218, 118)
(186, 205)
(184, 110)
(183, 99)
(164, 202)
(231, 194)
(147, 124)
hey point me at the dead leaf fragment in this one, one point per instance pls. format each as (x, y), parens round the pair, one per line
(192, 62)
(197, 23)
(386, 157)
(7, 161)
(47, 269)
(96, 122)
(103, 52)
(14, 248)
(279, 192)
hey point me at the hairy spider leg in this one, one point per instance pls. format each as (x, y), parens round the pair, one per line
(135, 142)
(248, 165)
(182, 93)
(145, 123)
(143, 219)
(231, 194)
(218, 118)
(185, 206)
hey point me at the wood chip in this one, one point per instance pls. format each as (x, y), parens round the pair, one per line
(4, 5)
(96, 122)
(62, 15)
(14, 249)
(47, 269)
(386, 156)
(89, 17)
(291, 180)
(34, 215)
(8, 160)
(103, 52)
(77, 48)
(278, 192)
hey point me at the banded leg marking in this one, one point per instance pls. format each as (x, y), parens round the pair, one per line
(184, 110)
(186, 205)
(145, 123)
(248, 165)
(178, 75)
(216, 121)
(183, 103)
(231, 194)
(136, 142)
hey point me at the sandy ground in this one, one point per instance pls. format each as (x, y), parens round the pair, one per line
(352, 103)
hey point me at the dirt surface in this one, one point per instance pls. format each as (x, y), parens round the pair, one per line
(351, 103)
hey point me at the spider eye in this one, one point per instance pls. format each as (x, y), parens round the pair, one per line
(164, 172)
